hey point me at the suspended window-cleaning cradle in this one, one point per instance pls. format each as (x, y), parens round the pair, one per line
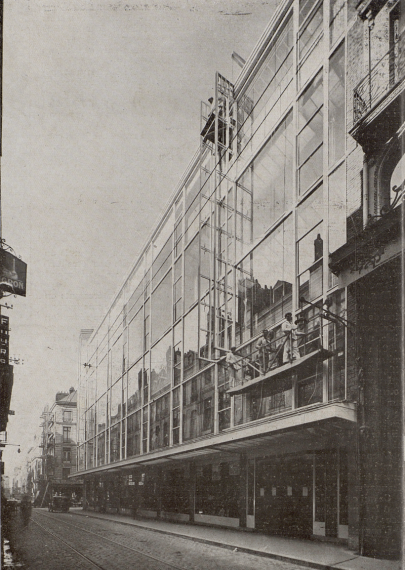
(283, 371)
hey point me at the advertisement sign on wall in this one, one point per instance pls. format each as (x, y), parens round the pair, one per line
(13, 273)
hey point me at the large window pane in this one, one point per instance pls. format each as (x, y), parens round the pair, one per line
(311, 170)
(161, 363)
(162, 307)
(102, 413)
(310, 101)
(116, 402)
(134, 387)
(191, 260)
(198, 403)
(265, 82)
(134, 434)
(337, 208)
(162, 262)
(310, 212)
(272, 179)
(311, 63)
(135, 337)
(310, 262)
(336, 20)
(311, 30)
(305, 8)
(102, 376)
(310, 248)
(265, 282)
(310, 137)
(115, 443)
(159, 423)
(190, 358)
(244, 206)
(336, 122)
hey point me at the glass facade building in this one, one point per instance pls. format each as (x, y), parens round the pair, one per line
(174, 424)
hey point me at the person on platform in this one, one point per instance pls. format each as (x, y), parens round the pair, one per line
(291, 333)
(266, 349)
(234, 364)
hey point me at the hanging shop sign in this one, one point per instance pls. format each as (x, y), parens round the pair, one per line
(13, 273)
(4, 340)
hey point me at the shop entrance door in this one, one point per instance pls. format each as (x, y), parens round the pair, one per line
(284, 495)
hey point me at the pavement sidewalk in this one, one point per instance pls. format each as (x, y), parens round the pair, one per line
(309, 553)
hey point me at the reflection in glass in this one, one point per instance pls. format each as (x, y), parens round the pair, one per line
(117, 360)
(310, 264)
(312, 62)
(310, 137)
(115, 442)
(310, 31)
(311, 170)
(134, 387)
(191, 260)
(310, 101)
(162, 262)
(309, 140)
(159, 423)
(310, 212)
(265, 283)
(337, 208)
(102, 376)
(116, 402)
(191, 364)
(336, 119)
(134, 434)
(101, 413)
(244, 204)
(135, 337)
(337, 20)
(272, 178)
(162, 307)
(198, 401)
(101, 449)
(161, 364)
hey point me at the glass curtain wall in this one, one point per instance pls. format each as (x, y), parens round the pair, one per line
(152, 378)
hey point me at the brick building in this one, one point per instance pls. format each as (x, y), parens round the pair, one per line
(292, 204)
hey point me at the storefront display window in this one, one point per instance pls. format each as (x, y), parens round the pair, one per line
(217, 490)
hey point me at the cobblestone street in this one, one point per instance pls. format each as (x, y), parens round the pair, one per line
(63, 541)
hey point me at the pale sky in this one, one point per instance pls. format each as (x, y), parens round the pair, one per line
(101, 115)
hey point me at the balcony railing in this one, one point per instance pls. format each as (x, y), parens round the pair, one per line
(385, 75)
(277, 358)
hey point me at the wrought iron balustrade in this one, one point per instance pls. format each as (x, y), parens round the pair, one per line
(385, 75)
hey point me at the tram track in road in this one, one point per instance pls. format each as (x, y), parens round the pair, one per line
(163, 564)
(55, 536)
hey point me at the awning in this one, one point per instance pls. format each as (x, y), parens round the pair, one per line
(282, 371)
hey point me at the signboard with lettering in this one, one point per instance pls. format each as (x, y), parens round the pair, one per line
(13, 274)
(4, 340)
(364, 263)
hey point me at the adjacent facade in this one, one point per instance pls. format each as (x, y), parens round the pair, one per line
(49, 473)
(288, 206)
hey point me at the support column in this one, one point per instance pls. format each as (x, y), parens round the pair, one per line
(243, 491)
(191, 496)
